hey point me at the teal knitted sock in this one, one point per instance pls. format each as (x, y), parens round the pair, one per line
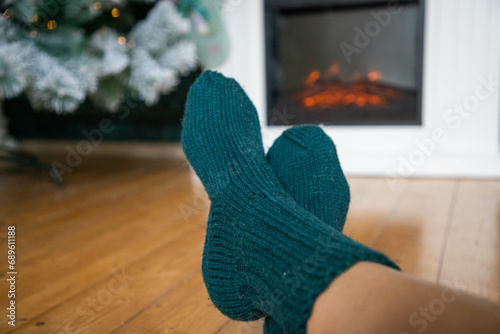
(305, 161)
(264, 255)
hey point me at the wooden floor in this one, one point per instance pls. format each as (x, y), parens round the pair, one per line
(118, 248)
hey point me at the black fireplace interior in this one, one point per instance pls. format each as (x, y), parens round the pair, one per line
(344, 62)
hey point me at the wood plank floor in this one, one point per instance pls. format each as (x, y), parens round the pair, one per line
(118, 248)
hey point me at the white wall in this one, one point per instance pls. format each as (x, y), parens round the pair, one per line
(462, 51)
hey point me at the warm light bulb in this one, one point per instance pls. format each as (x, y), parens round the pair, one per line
(115, 12)
(52, 24)
(34, 18)
(97, 5)
(122, 40)
(6, 13)
(33, 33)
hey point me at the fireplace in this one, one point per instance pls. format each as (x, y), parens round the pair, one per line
(462, 53)
(344, 62)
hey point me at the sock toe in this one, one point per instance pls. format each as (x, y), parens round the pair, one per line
(305, 161)
(221, 130)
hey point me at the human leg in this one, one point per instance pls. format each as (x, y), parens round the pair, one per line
(370, 298)
(264, 255)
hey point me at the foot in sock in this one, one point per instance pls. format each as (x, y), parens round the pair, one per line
(264, 255)
(305, 161)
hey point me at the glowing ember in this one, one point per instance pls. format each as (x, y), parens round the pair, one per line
(321, 94)
(332, 94)
(361, 101)
(374, 99)
(309, 102)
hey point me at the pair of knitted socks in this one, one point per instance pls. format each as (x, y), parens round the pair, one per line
(274, 236)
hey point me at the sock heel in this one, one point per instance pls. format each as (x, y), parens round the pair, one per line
(224, 280)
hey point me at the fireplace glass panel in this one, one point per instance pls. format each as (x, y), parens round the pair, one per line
(347, 66)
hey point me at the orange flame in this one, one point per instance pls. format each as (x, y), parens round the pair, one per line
(334, 69)
(373, 76)
(361, 94)
(332, 93)
(313, 77)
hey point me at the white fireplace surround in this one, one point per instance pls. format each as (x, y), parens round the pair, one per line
(460, 136)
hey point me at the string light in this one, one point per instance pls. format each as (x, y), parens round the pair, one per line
(52, 24)
(34, 18)
(115, 12)
(97, 5)
(131, 44)
(6, 13)
(122, 40)
(33, 33)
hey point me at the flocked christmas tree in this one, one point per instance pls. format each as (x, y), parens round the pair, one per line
(58, 53)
